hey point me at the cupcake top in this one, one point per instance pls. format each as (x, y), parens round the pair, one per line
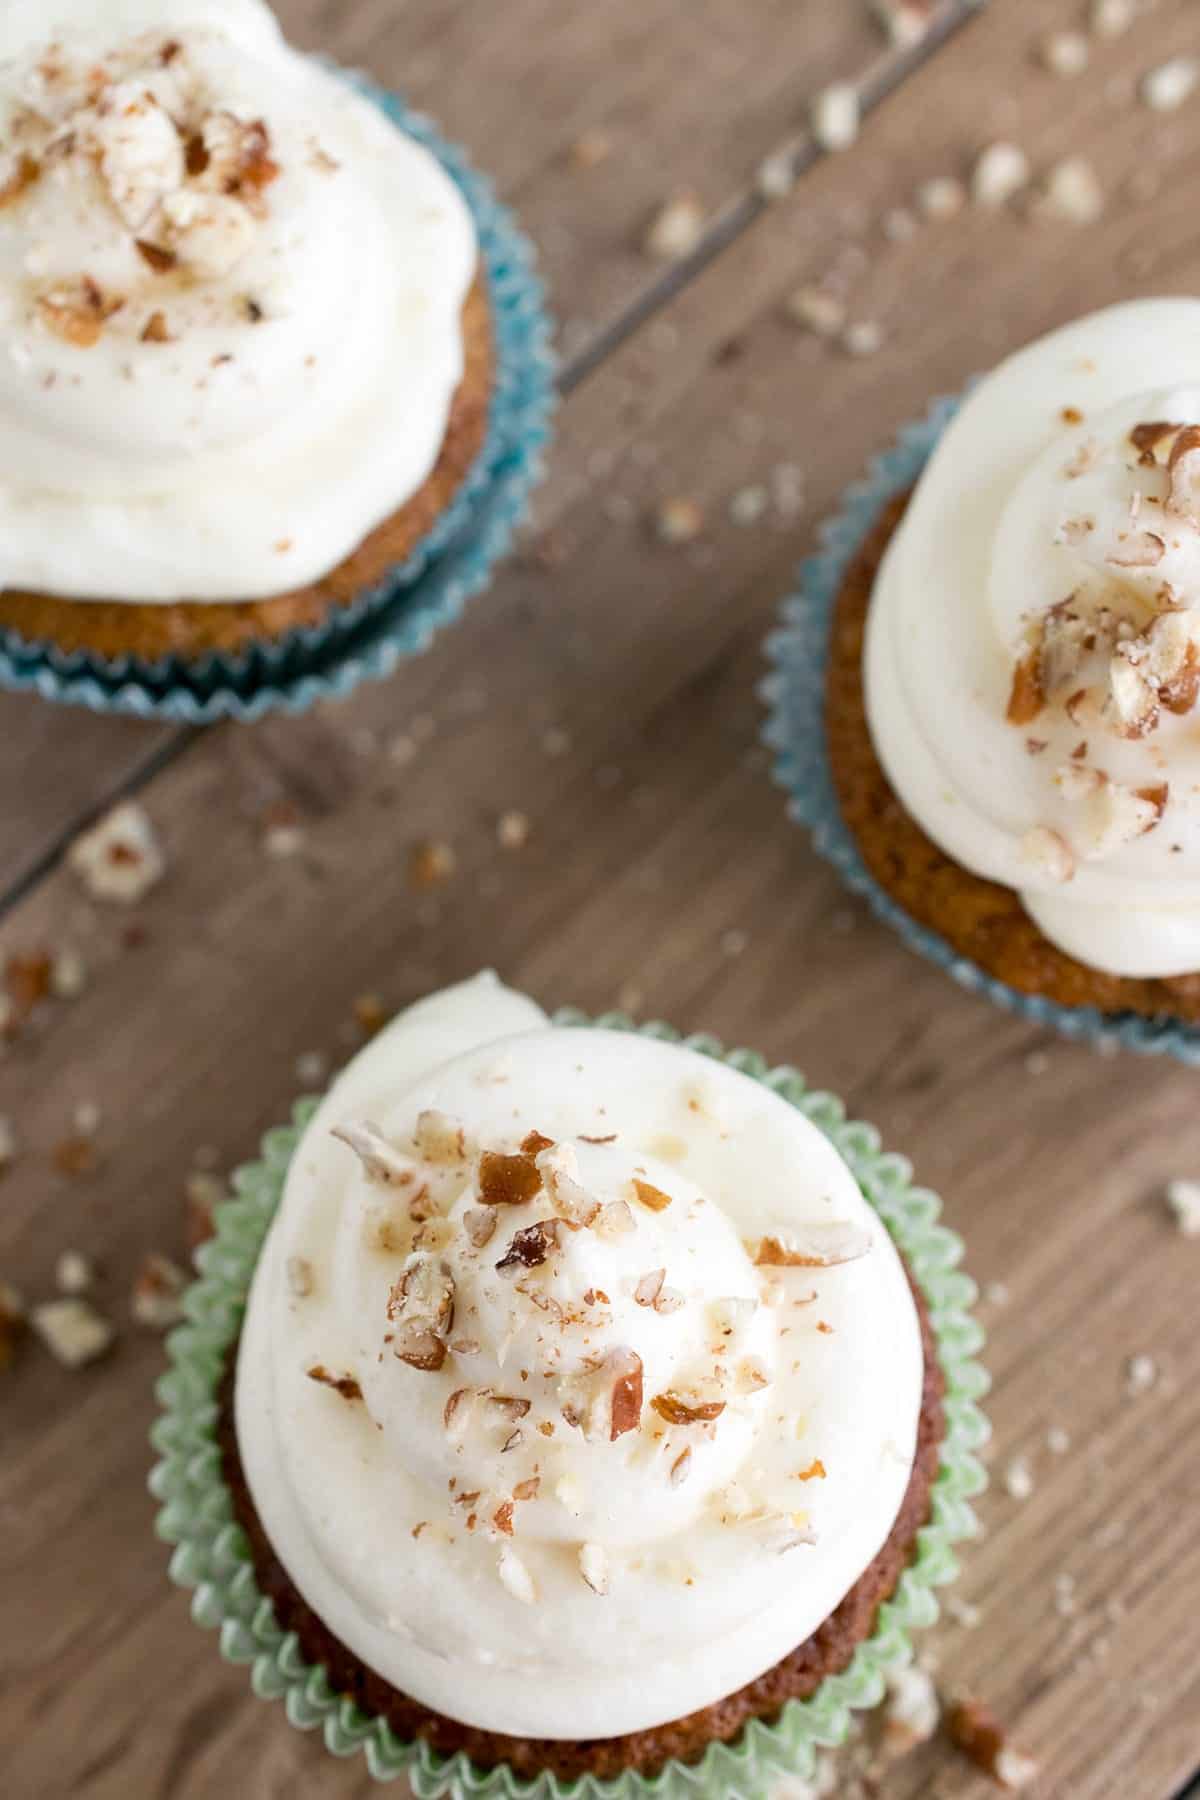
(578, 1382)
(230, 298)
(1033, 652)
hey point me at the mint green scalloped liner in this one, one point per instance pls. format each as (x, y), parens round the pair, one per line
(212, 1558)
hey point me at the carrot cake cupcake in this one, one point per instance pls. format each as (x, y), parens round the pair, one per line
(584, 1415)
(249, 346)
(1010, 651)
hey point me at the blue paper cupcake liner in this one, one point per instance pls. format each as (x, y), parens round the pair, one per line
(398, 616)
(211, 1557)
(794, 694)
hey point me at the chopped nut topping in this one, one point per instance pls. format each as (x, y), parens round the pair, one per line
(157, 1299)
(508, 1180)
(593, 1566)
(677, 520)
(1000, 172)
(814, 1472)
(1183, 1199)
(651, 1197)
(817, 310)
(430, 864)
(77, 311)
(345, 1385)
(1183, 466)
(160, 260)
(649, 1287)
(421, 1304)
(1048, 851)
(813, 1246)
(155, 330)
(73, 1331)
(381, 1160)
(668, 1300)
(1026, 698)
(502, 1518)
(516, 1577)
(835, 116)
(22, 174)
(527, 1490)
(606, 1402)
(613, 1221)
(479, 1223)
(678, 1411)
(536, 1142)
(681, 1468)
(1173, 82)
(529, 1247)
(439, 1138)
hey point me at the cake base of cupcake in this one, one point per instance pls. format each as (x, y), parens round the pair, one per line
(979, 919)
(115, 629)
(827, 1652)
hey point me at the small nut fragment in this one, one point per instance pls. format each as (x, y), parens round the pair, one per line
(77, 311)
(479, 1223)
(593, 1566)
(73, 1273)
(681, 1468)
(1183, 1200)
(380, 1158)
(345, 1385)
(119, 857)
(819, 1245)
(157, 1298)
(913, 1710)
(941, 197)
(439, 1138)
(209, 234)
(1065, 52)
(979, 1734)
(421, 1305)
(299, 1272)
(508, 1180)
(835, 116)
(430, 864)
(817, 310)
(650, 1196)
(1071, 192)
(677, 520)
(678, 1410)
(675, 230)
(529, 1247)
(613, 1221)
(1000, 172)
(73, 1331)
(649, 1287)
(1169, 85)
(1026, 699)
(515, 1576)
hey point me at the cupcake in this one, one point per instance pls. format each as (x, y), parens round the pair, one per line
(1013, 668)
(250, 342)
(583, 1418)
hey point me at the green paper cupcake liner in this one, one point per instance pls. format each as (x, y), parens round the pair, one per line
(212, 1558)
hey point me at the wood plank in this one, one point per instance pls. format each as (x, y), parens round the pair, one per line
(518, 85)
(202, 1024)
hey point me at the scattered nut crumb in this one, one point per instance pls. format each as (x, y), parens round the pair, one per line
(975, 1730)
(1065, 52)
(157, 1298)
(941, 197)
(73, 1331)
(590, 149)
(1183, 1199)
(593, 1566)
(1001, 170)
(817, 310)
(512, 830)
(675, 230)
(203, 1193)
(1109, 18)
(1071, 192)
(73, 1273)
(1141, 1373)
(905, 21)
(835, 116)
(913, 1710)
(119, 858)
(1173, 82)
(1018, 1478)
(677, 520)
(430, 863)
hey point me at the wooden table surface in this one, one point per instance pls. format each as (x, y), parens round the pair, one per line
(605, 689)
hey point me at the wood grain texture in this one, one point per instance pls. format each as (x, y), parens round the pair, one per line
(605, 688)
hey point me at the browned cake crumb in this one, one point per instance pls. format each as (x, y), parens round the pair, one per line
(188, 628)
(979, 919)
(798, 1675)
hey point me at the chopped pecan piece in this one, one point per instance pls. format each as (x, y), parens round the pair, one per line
(529, 1247)
(678, 1411)
(1026, 699)
(651, 1196)
(345, 1385)
(508, 1180)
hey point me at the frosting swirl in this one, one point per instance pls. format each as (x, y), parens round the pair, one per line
(578, 1382)
(1033, 651)
(230, 297)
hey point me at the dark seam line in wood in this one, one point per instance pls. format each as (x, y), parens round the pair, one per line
(879, 81)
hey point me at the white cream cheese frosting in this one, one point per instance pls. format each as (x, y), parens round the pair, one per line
(1033, 648)
(230, 300)
(578, 1382)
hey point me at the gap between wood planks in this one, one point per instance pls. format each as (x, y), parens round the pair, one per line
(890, 70)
